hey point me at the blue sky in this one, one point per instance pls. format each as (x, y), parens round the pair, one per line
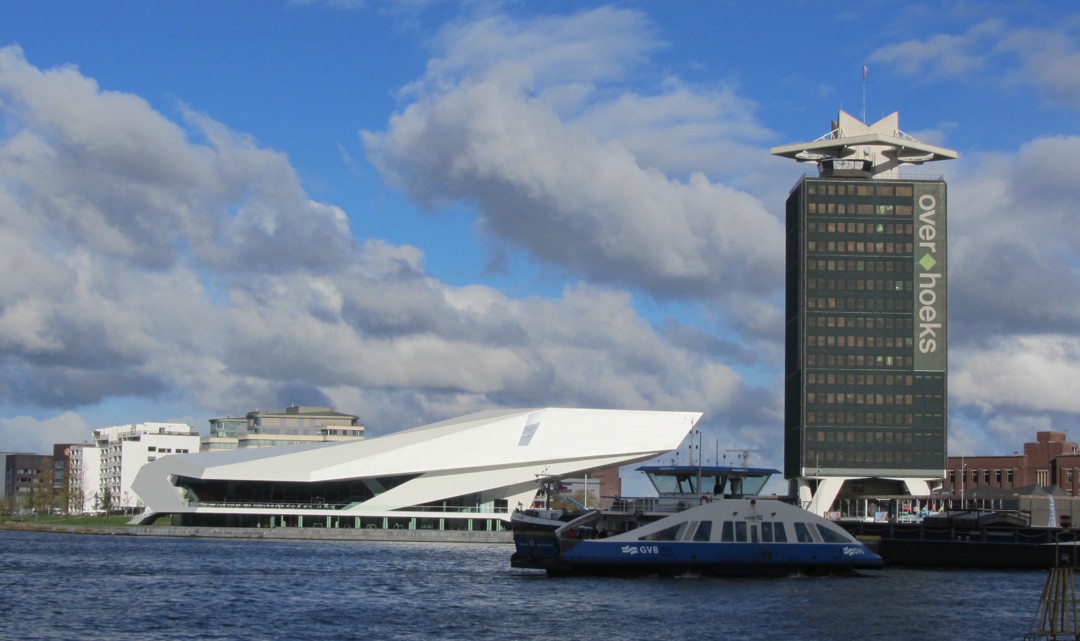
(414, 210)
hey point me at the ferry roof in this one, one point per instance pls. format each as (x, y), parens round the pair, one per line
(705, 469)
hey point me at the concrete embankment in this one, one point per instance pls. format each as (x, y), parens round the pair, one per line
(281, 533)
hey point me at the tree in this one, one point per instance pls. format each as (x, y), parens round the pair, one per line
(106, 501)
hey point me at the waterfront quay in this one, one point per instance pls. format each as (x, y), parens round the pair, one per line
(277, 533)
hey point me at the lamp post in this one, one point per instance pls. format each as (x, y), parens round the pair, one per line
(963, 478)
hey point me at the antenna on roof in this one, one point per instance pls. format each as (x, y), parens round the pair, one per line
(864, 70)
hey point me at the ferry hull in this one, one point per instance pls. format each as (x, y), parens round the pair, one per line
(705, 559)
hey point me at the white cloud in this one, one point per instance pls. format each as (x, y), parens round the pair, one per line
(549, 51)
(153, 258)
(1013, 241)
(684, 130)
(1046, 59)
(183, 262)
(940, 55)
(569, 187)
(1031, 373)
(29, 434)
(1049, 61)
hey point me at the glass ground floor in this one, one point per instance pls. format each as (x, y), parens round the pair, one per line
(337, 521)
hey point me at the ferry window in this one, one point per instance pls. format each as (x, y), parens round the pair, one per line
(727, 534)
(831, 536)
(740, 531)
(673, 533)
(753, 533)
(766, 532)
(750, 485)
(704, 531)
(779, 534)
(802, 533)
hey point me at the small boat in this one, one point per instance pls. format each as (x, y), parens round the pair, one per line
(721, 537)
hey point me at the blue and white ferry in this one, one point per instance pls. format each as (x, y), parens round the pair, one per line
(705, 520)
(728, 537)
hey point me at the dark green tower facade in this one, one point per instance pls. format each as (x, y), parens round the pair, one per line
(866, 328)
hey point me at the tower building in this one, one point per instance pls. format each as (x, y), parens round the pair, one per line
(866, 317)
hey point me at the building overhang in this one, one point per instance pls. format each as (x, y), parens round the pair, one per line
(904, 150)
(881, 145)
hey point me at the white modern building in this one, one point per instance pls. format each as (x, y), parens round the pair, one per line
(103, 472)
(467, 473)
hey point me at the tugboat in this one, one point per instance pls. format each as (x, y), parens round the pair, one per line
(728, 530)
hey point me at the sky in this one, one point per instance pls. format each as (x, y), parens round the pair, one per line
(412, 210)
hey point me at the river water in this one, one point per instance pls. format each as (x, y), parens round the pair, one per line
(84, 587)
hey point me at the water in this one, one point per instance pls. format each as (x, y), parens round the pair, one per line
(89, 588)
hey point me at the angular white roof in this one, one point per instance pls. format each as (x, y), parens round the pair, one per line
(501, 451)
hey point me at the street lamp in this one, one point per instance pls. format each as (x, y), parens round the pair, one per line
(963, 478)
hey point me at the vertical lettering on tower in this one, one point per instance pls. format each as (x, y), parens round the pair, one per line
(931, 309)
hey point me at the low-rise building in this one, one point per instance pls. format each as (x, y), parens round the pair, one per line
(28, 482)
(1051, 460)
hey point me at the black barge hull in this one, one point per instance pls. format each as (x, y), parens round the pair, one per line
(919, 545)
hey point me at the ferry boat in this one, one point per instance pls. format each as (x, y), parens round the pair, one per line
(708, 520)
(723, 537)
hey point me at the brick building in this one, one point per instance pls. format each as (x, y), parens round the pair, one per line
(1051, 460)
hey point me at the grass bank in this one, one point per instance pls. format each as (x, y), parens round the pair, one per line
(67, 519)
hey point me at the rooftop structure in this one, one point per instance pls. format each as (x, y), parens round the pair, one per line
(856, 149)
(296, 425)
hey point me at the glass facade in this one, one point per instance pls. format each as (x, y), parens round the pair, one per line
(866, 322)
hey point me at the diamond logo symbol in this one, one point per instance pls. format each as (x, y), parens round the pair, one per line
(927, 262)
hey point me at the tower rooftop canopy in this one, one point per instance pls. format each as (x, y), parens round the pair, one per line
(855, 148)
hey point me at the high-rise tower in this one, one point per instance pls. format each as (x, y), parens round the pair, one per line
(866, 320)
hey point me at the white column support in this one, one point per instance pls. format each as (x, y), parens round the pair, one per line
(918, 487)
(827, 490)
(819, 500)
